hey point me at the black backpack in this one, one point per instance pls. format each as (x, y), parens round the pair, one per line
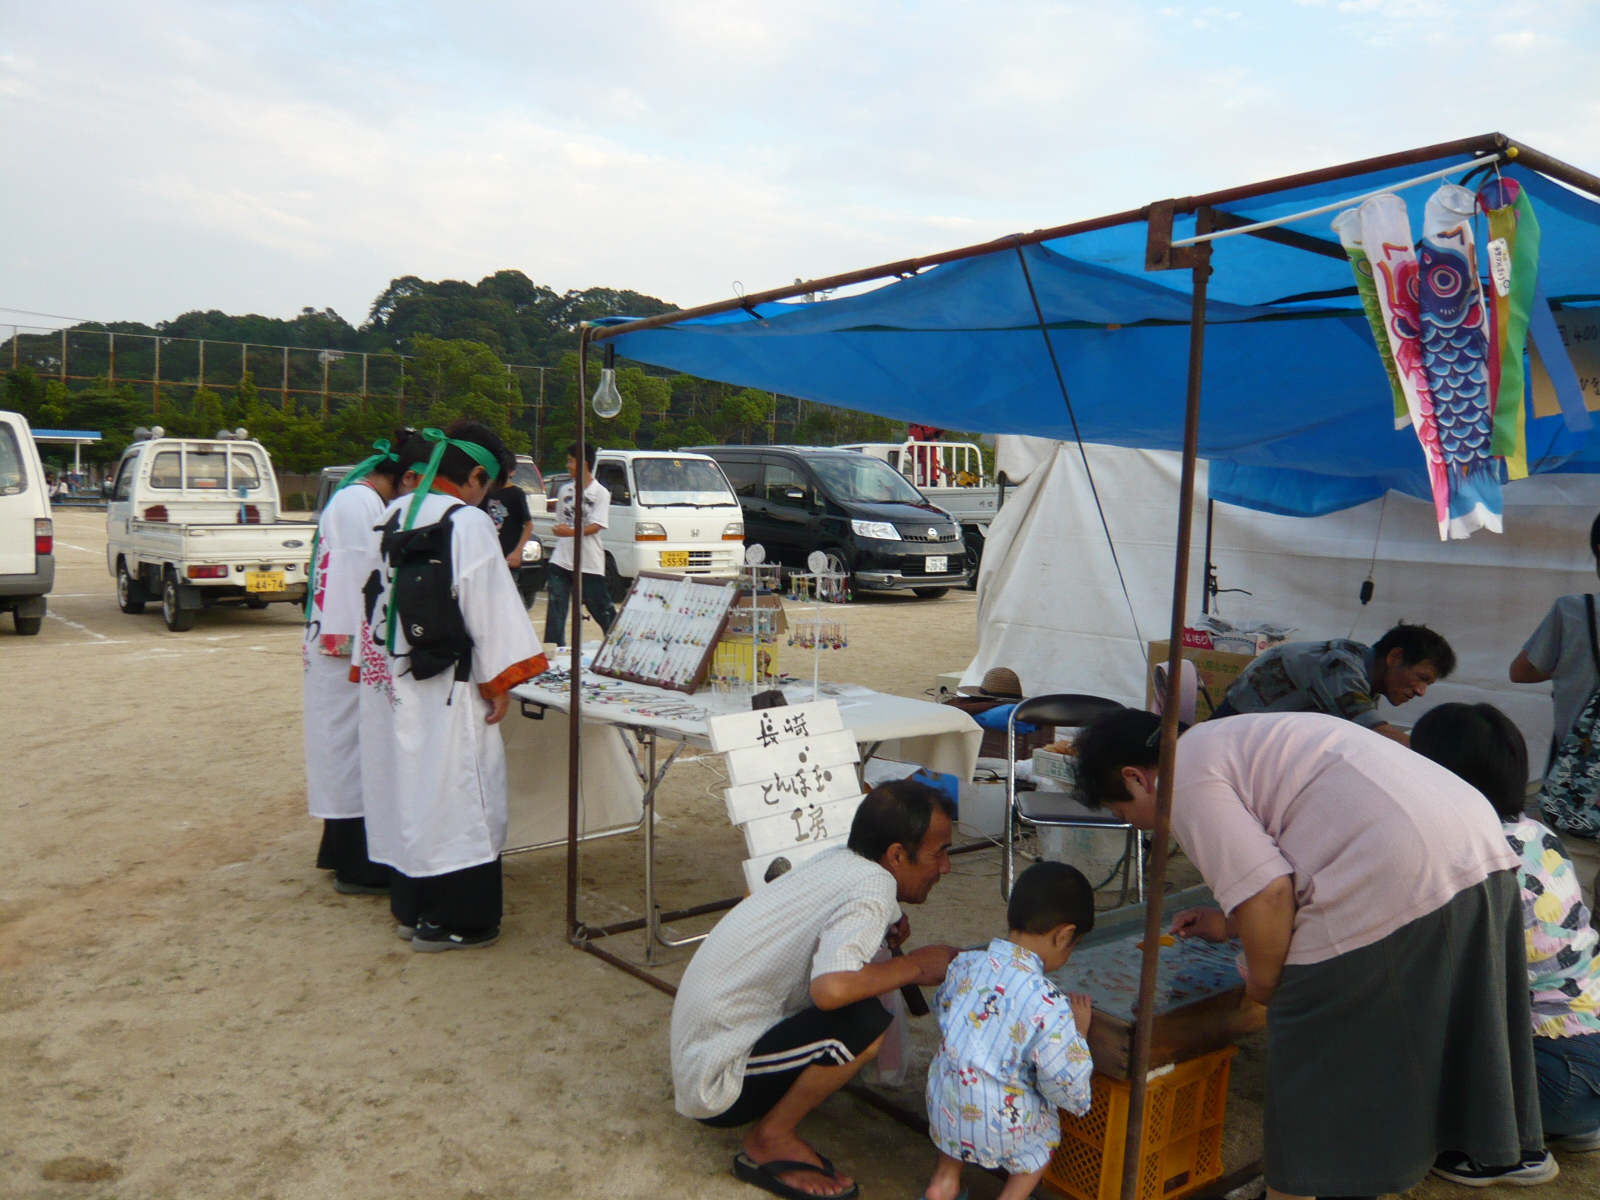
(423, 596)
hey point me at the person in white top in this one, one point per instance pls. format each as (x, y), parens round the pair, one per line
(596, 518)
(346, 554)
(779, 1007)
(435, 791)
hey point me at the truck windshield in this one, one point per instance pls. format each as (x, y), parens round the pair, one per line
(526, 477)
(12, 477)
(205, 469)
(862, 480)
(696, 481)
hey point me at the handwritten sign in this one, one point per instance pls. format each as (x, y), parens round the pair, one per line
(795, 787)
(770, 726)
(754, 764)
(1580, 332)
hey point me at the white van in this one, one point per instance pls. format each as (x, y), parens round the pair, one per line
(669, 512)
(27, 534)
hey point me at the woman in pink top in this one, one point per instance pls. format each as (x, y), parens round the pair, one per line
(1377, 904)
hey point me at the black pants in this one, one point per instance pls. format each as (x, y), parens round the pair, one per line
(811, 1036)
(596, 598)
(344, 852)
(467, 901)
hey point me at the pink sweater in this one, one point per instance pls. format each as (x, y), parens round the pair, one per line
(1374, 834)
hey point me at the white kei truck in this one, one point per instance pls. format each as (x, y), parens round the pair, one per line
(669, 512)
(27, 531)
(194, 523)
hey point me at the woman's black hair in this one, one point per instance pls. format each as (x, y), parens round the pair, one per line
(1048, 895)
(392, 468)
(1482, 745)
(1124, 737)
(900, 811)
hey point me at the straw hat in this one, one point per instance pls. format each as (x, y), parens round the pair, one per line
(999, 683)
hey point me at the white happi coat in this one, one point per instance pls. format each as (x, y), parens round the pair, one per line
(433, 774)
(347, 553)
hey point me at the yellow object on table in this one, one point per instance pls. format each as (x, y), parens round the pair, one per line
(1182, 1146)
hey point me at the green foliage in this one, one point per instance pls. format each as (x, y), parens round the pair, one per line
(24, 393)
(827, 426)
(744, 414)
(462, 379)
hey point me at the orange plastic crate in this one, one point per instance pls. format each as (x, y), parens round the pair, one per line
(1182, 1145)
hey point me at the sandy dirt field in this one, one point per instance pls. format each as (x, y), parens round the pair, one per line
(188, 1009)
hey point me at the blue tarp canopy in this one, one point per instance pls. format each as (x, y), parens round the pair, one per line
(1297, 413)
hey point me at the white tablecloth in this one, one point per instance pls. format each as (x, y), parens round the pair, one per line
(939, 737)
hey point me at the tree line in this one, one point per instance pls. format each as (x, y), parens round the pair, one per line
(457, 340)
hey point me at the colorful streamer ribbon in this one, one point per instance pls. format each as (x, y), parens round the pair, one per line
(357, 473)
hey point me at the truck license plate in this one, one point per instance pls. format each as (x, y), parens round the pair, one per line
(263, 581)
(674, 558)
(936, 564)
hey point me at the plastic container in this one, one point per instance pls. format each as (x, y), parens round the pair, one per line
(1181, 1150)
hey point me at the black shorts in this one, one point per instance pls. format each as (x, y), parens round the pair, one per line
(828, 1039)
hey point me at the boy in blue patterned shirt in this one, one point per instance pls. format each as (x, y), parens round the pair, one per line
(1013, 1048)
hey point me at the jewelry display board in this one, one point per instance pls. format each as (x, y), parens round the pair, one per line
(666, 630)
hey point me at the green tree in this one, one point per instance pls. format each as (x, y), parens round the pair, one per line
(458, 379)
(745, 414)
(24, 392)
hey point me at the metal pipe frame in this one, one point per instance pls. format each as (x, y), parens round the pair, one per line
(1481, 145)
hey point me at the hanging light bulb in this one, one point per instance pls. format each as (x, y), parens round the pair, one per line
(607, 400)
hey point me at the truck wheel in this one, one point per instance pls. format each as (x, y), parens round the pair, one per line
(929, 593)
(27, 626)
(131, 595)
(178, 620)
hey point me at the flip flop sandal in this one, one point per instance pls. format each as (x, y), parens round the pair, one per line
(765, 1176)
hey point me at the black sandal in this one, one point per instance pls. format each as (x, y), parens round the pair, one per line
(765, 1176)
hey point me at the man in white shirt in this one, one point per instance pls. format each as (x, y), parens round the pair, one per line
(596, 517)
(779, 1007)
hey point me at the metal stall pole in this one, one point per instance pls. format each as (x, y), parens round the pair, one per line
(1198, 258)
(574, 713)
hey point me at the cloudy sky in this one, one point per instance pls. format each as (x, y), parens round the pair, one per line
(167, 155)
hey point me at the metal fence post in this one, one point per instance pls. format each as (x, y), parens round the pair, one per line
(63, 358)
(202, 382)
(363, 381)
(155, 384)
(111, 369)
(325, 362)
(286, 379)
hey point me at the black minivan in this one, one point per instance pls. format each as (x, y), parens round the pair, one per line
(863, 514)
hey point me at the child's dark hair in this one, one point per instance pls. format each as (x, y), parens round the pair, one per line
(1417, 643)
(1124, 737)
(1050, 894)
(1483, 746)
(588, 453)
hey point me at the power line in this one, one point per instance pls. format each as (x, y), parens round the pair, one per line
(28, 312)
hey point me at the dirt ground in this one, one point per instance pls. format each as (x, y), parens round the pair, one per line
(187, 1008)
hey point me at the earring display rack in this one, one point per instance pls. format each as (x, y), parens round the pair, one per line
(667, 630)
(817, 633)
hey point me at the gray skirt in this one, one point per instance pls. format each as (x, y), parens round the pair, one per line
(1383, 1058)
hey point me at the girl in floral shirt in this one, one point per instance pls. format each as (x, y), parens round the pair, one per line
(1479, 743)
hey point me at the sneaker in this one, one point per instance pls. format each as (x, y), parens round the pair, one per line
(405, 932)
(1577, 1143)
(431, 939)
(1532, 1170)
(358, 889)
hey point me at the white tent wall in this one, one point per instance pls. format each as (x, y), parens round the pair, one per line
(1051, 608)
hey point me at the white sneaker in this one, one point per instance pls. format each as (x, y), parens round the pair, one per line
(1577, 1143)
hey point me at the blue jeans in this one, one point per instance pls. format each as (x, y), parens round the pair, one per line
(1569, 1083)
(558, 581)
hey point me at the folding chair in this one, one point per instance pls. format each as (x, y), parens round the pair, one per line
(1060, 809)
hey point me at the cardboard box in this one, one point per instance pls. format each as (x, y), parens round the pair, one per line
(1217, 670)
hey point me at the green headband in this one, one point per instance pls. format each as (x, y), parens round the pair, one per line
(358, 472)
(485, 458)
